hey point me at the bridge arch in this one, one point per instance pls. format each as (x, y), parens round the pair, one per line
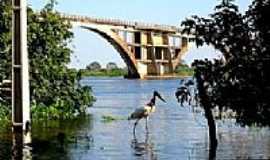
(116, 41)
(154, 50)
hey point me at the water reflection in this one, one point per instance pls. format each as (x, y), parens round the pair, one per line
(21, 147)
(143, 147)
(17, 146)
(212, 152)
(55, 139)
(5, 142)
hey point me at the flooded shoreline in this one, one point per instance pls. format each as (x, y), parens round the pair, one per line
(175, 132)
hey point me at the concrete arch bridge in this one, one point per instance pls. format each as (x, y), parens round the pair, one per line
(147, 49)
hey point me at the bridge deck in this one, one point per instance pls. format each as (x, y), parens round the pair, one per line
(117, 22)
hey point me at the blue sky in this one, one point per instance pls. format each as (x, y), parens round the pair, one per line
(90, 47)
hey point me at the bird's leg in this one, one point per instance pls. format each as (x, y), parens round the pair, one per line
(135, 124)
(146, 124)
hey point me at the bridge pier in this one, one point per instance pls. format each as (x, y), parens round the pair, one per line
(142, 69)
(132, 75)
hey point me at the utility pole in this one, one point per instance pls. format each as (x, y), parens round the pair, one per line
(20, 67)
(20, 83)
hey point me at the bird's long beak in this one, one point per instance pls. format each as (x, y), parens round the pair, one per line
(159, 96)
(162, 99)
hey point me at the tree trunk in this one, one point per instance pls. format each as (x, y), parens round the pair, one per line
(212, 133)
(205, 101)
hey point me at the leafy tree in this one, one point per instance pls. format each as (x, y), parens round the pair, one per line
(94, 66)
(55, 89)
(5, 52)
(239, 81)
(111, 66)
(5, 40)
(53, 83)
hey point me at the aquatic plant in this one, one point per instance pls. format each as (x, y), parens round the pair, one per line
(111, 118)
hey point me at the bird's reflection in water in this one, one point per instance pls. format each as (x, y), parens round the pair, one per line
(143, 148)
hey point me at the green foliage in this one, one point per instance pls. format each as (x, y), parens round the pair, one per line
(5, 54)
(111, 70)
(5, 113)
(184, 70)
(111, 66)
(240, 80)
(110, 118)
(5, 39)
(94, 66)
(55, 89)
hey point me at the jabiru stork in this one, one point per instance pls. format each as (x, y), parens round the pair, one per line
(145, 111)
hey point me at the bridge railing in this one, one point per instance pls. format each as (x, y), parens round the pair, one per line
(117, 22)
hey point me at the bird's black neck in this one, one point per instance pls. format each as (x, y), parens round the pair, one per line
(152, 101)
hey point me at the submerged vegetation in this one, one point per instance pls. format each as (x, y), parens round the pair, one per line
(111, 118)
(55, 89)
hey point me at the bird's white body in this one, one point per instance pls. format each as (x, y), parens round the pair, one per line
(150, 109)
(142, 112)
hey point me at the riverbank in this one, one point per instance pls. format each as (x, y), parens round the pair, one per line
(103, 73)
(167, 77)
(179, 73)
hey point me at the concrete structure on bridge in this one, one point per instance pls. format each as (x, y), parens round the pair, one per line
(147, 49)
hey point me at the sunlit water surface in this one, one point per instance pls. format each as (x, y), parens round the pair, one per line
(175, 132)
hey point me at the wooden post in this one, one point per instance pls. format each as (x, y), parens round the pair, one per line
(20, 73)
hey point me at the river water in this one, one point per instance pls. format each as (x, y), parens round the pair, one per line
(174, 132)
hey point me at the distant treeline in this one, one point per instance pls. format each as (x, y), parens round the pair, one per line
(112, 70)
(184, 70)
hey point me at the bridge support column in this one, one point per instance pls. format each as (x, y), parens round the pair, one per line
(142, 69)
(20, 73)
(161, 69)
(132, 74)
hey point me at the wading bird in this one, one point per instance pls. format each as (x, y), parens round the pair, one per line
(145, 111)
